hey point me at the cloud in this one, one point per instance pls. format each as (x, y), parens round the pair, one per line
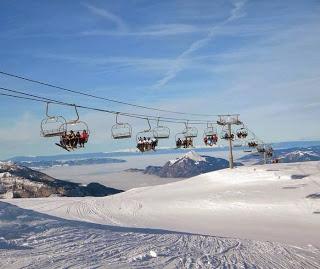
(104, 13)
(158, 30)
(179, 65)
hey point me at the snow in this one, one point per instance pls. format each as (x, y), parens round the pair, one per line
(192, 155)
(5, 174)
(249, 217)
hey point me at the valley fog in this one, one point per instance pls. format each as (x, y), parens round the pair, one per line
(114, 174)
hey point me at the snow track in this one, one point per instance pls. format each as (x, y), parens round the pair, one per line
(34, 240)
(258, 217)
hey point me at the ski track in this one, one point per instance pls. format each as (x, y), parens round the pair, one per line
(34, 240)
(100, 232)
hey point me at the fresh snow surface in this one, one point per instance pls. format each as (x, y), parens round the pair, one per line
(251, 217)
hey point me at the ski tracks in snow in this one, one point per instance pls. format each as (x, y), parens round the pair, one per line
(33, 240)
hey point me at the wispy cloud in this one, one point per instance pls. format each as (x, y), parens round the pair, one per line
(104, 13)
(152, 30)
(178, 66)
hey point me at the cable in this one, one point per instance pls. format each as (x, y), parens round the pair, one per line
(139, 116)
(102, 98)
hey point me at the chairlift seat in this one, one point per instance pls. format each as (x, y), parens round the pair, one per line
(121, 131)
(52, 126)
(161, 132)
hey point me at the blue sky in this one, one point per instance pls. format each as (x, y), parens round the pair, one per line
(257, 58)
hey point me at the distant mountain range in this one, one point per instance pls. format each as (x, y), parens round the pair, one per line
(22, 182)
(42, 164)
(189, 165)
(290, 155)
(103, 155)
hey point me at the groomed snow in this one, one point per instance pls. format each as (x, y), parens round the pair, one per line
(253, 214)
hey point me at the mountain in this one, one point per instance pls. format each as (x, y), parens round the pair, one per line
(289, 155)
(189, 165)
(42, 164)
(22, 182)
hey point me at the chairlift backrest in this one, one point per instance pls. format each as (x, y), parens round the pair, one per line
(190, 132)
(121, 130)
(148, 133)
(52, 126)
(210, 130)
(76, 125)
(161, 132)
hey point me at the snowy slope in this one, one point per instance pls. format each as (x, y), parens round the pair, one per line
(34, 240)
(253, 204)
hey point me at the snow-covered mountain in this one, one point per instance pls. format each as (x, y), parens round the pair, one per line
(22, 182)
(288, 155)
(300, 155)
(189, 165)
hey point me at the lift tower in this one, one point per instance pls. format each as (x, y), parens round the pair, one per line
(229, 120)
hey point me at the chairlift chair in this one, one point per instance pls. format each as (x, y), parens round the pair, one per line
(161, 132)
(190, 132)
(121, 130)
(210, 130)
(76, 125)
(145, 133)
(242, 133)
(210, 136)
(261, 148)
(148, 134)
(52, 126)
(225, 134)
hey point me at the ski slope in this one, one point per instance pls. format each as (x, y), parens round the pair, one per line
(255, 216)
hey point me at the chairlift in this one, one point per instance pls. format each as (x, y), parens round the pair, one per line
(252, 143)
(52, 126)
(182, 141)
(190, 132)
(121, 130)
(226, 135)
(210, 130)
(210, 137)
(161, 132)
(146, 140)
(242, 133)
(269, 151)
(261, 148)
(229, 119)
(76, 125)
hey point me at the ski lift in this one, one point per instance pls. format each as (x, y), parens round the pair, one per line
(161, 132)
(76, 125)
(229, 119)
(269, 151)
(261, 148)
(52, 126)
(242, 133)
(225, 134)
(190, 132)
(146, 140)
(121, 130)
(182, 141)
(145, 133)
(210, 130)
(210, 137)
(252, 143)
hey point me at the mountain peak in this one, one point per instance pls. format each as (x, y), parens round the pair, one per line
(191, 155)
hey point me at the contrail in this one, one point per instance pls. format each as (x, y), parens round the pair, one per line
(179, 64)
